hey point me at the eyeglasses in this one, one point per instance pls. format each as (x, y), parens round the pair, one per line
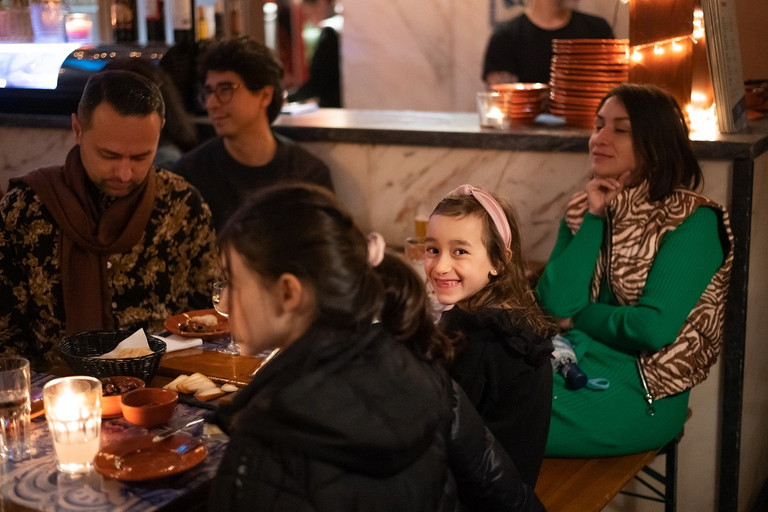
(223, 92)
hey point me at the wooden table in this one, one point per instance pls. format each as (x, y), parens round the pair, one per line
(35, 484)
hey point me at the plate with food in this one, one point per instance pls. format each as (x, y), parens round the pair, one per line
(204, 323)
(141, 458)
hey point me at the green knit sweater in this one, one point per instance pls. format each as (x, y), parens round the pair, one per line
(607, 337)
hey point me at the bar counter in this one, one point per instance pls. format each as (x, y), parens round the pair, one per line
(389, 166)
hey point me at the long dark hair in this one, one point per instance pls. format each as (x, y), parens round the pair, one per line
(408, 313)
(509, 289)
(660, 138)
(302, 230)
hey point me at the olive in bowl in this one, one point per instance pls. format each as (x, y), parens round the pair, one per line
(112, 389)
(149, 407)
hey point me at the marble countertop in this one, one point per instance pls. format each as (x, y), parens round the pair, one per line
(451, 129)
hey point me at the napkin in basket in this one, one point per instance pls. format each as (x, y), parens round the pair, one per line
(135, 340)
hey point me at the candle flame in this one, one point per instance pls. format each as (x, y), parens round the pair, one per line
(703, 120)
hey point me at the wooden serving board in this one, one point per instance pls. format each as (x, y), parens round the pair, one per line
(219, 367)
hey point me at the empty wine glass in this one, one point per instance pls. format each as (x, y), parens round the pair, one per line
(219, 288)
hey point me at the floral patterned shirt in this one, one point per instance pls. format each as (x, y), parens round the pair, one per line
(170, 270)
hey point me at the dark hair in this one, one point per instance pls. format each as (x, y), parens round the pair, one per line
(253, 62)
(302, 230)
(128, 93)
(407, 311)
(509, 289)
(660, 138)
(178, 128)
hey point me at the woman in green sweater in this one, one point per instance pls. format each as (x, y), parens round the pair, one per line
(637, 280)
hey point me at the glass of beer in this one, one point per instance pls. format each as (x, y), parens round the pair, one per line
(14, 408)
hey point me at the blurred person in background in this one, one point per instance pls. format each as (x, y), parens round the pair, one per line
(243, 95)
(520, 50)
(324, 82)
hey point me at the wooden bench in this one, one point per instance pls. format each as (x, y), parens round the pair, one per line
(588, 485)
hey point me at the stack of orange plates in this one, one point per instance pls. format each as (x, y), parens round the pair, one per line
(582, 71)
(523, 101)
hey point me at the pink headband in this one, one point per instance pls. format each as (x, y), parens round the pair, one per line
(376, 246)
(491, 206)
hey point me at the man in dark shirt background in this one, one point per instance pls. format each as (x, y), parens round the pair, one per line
(520, 50)
(243, 95)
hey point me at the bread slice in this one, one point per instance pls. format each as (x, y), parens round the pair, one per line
(194, 383)
(198, 384)
(209, 394)
(172, 385)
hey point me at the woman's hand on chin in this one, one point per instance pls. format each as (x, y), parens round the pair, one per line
(601, 191)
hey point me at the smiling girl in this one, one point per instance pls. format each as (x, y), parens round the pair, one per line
(475, 264)
(637, 280)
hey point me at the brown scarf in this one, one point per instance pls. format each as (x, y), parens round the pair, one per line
(638, 227)
(89, 236)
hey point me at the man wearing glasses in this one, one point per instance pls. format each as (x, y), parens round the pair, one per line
(243, 95)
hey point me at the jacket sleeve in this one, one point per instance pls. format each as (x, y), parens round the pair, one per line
(16, 310)
(564, 286)
(687, 259)
(204, 266)
(486, 478)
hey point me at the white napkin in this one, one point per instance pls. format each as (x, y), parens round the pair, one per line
(135, 340)
(175, 342)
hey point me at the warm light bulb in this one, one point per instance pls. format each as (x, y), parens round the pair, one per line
(658, 50)
(676, 47)
(637, 56)
(698, 98)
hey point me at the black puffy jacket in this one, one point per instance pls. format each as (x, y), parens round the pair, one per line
(338, 421)
(486, 479)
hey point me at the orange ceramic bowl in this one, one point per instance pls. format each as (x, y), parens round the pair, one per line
(149, 407)
(112, 390)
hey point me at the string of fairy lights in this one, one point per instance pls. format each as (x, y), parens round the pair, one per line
(673, 43)
(700, 110)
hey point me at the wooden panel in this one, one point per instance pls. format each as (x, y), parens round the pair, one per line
(668, 65)
(586, 485)
(219, 367)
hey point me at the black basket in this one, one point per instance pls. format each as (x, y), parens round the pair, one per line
(81, 353)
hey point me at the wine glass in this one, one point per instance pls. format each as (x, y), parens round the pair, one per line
(219, 288)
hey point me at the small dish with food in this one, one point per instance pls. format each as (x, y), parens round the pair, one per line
(112, 389)
(204, 323)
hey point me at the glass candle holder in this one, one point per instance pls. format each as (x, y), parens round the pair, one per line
(73, 410)
(78, 28)
(492, 108)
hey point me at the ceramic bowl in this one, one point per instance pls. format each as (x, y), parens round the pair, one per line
(112, 390)
(149, 407)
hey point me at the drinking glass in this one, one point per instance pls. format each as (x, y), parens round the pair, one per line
(14, 408)
(73, 410)
(219, 288)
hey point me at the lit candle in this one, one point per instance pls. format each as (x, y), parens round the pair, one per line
(495, 113)
(73, 411)
(78, 27)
